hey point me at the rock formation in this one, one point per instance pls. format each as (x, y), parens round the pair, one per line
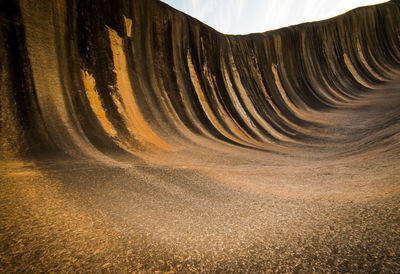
(134, 137)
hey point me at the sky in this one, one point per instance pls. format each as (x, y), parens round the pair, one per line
(249, 16)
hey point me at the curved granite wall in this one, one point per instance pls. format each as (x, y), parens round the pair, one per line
(92, 77)
(135, 138)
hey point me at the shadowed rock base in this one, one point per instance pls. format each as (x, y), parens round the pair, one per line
(135, 138)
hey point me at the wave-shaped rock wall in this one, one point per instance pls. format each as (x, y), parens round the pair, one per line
(92, 77)
(134, 138)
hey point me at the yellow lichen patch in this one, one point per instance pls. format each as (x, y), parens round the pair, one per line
(128, 107)
(95, 103)
(128, 26)
(354, 72)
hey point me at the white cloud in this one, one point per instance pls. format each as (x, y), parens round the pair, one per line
(240, 16)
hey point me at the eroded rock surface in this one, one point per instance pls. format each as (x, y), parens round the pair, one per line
(135, 138)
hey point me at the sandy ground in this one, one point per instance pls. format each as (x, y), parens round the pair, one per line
(331, 205)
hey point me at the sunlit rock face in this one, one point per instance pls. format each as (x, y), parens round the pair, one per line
(134, 137)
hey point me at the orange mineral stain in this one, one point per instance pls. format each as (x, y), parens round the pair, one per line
(128, 26)
(95, 102)
(128, 107)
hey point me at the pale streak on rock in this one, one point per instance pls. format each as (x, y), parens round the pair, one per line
(354, 72)
(129, 109)
(128, 26)
(95, 103)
